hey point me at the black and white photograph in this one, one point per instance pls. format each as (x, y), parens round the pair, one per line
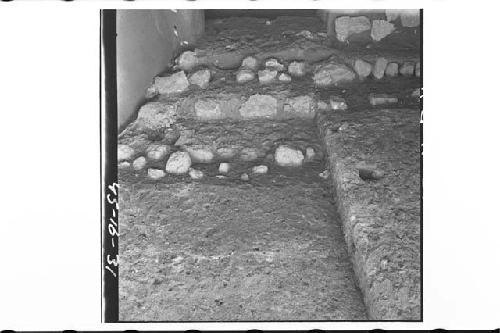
(269, 165)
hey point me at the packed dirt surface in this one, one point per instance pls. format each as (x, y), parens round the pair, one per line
(224, 249)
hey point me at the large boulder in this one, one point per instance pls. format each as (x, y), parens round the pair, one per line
(346, 26)
(200, 78)
(187, 60)
(172, 84)
(300, 105)
(381, 29)
(178, 163)
(332, 74)
(156, 116)
(288, 157)
(259, 106)
(207, 109)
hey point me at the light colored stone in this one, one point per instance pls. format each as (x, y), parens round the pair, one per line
(381, 29)
(200, 154)
(224, 167)
(301, 105)
(379, 68)
(392, 69)
(338, 103)
(151, 91)
(285, 77)
(173, 84)
(332, 74)
(178, 163)
(306, 34)
(207, 109)
(124, 165)
(249, 154)
(200, 78)
(416, 93)
(125, 152)
(297, 68)
(226, 153)
(417, 69)
(195, 174)
(407, 69)
(250, 63)
(244, 75)
(346, 26)
(410, 18)
(156, 173)
(157, 151)
(260, 169)
(139, 163)
(259, 106)
(274, 64)
(379, 99)
(362, 68)
(287, 156)
(156, 115)
(187, 60)
(310, 153)
(267, 76)
(392, 14)
(244, 177)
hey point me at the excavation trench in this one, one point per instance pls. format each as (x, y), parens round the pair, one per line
(224, 249)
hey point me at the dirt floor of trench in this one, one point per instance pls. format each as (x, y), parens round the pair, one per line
(214, 249)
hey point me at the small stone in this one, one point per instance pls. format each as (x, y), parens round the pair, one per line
(407, 69)
(310, 153)
(249, 154)
(124, 165)
(207, 109)
(156, 116)
(269, 157)
(224, 167)
(259, 106)
(362, 68)
(200, 78)
(156, 173)
(381, 29)
(332, 74)
(274, 64)
(178, 163)
(173, 84)
(285, 77)
(379, 68)
(187, 60)
(250, 63)
(151, 91)
(244, 75)
(300, 105)
(125, 152)
(267, 76)
(392, 69)
(410, 18)
(139, 163)
(157, 151)
(379, 99)
(370, 172)
(287, 156)
(260, 169)
(244, 177)
(338, 103)
(226, 153)
(200, 154)
(297, 68)
(346, 26)
(195, 174)
(325, 174)
(268, 22)
(417, 69)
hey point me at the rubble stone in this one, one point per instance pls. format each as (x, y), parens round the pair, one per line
(381, 29)
(244, 75)
(297, 68)
(287, 156)
(392, 69)
(207, 109)
(187, 60)
(173, 84)
(407, 69)
(178, 163)
(267, 76)
(332, 74)
(156, 173)
(139, 163)
(259, 106)
(200, 78)
(125, 152)
(346, 26)
(250, 63)
(379, 68)
(362, 68)
(157, 151)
